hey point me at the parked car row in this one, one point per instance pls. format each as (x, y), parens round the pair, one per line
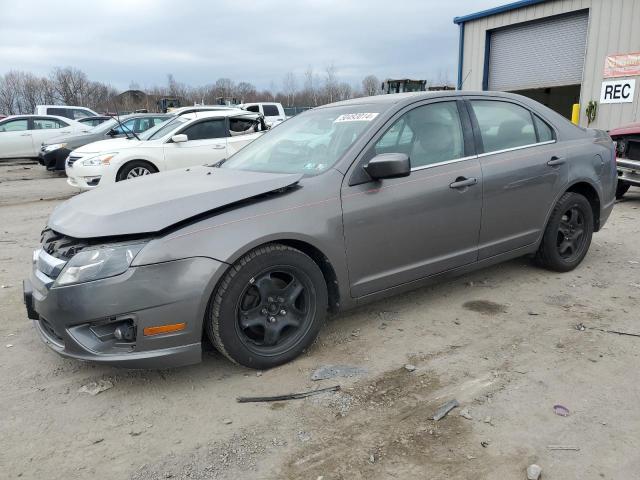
(196, 138)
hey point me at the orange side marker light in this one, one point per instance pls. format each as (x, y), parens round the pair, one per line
(174, 327)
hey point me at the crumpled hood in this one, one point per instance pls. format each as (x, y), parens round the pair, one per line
(152, 203)
(108, 145)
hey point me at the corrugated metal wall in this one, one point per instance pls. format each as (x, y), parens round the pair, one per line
(613, 28)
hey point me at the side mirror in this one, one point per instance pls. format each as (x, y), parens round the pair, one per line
(388, 165)
(181, 138)
(112, 133)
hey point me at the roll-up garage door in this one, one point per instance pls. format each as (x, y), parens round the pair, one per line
(544, 53)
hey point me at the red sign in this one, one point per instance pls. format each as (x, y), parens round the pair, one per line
(624, 65)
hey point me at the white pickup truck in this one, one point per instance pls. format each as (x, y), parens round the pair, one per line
(273, 112)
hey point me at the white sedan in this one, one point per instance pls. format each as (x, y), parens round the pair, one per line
(193, 139)
(22, 135)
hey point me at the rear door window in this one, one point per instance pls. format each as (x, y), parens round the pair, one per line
(503, 125)
(270, 110)
(60, 112)
(214, 128)
(254, 108)
(47, 123)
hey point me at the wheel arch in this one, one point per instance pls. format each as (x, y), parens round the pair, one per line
(314, 252)
(144, 160)
(587, 190)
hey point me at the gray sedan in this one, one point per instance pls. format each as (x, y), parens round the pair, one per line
(338, 206)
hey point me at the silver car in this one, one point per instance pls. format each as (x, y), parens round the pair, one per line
(341, 205)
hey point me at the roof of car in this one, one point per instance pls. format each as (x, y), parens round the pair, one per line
(31, 115)
(219, 113)
(411, 97)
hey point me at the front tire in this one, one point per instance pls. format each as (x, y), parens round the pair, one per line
(622, 188)
(568, 234)
(136, 168)
(268, 308)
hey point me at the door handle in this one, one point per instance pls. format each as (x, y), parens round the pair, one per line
(555, 161)
(25, 134)
(462, 182)
(218, 147)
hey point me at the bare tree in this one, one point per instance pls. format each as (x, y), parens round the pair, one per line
(331, 83)
(370, 85)
(70, 85)
(9, 93)
(245, 92)
(345, 91)
(310, 87)
(224, 88)
(289, 86)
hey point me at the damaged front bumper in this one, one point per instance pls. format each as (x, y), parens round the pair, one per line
(81, 321)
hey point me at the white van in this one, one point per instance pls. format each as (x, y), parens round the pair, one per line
(74, 113)
(272, 111)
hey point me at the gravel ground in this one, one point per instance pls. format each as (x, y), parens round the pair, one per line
(503, 342)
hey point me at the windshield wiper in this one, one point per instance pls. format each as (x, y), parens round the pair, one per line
(217, 164)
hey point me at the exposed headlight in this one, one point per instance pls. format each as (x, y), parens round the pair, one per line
(97, 263)
(98, 160)
(54, 146)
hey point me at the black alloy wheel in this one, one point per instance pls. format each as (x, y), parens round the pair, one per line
(567, 237)
(268, 307)
(571, 233)
(275, 310)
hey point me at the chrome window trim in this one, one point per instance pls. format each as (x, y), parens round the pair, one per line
(495, 152)
(446, 162)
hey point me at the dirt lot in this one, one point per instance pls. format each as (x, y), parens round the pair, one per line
(502, 341)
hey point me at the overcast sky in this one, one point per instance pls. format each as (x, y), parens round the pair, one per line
(124, 41)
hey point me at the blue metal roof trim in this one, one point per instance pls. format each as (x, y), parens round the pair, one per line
(494, 11)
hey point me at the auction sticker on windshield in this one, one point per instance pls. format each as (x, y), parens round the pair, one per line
(355, 117)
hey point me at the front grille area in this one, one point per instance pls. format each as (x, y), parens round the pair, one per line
(71, 159)
(61, 246)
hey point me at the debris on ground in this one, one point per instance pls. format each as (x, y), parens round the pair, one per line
(227, 421)
(563, 447)
(288, 396)
(464, 413)
(94, 388)
(5, 286)
(580, 327)
(9, 345)
(533, 472)
(561, 410)
(409, 368)
(485, 443)
(331, 371)
(487, 420)
(445, 409)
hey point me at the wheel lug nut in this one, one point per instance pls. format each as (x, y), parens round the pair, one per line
(263, 311)
(272, 319)
(280, 299)
(270, 299)
(283, 312)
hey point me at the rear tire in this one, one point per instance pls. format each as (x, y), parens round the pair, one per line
(622, 188)
(136, 168)
(268, 308)
(568, 234)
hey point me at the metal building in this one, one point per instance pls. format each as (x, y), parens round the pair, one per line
(559, 52)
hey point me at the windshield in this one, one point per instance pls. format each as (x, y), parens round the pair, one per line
(309, 143)
(164, 128)
(104, 126)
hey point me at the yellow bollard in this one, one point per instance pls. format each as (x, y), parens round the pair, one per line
(575, 113)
